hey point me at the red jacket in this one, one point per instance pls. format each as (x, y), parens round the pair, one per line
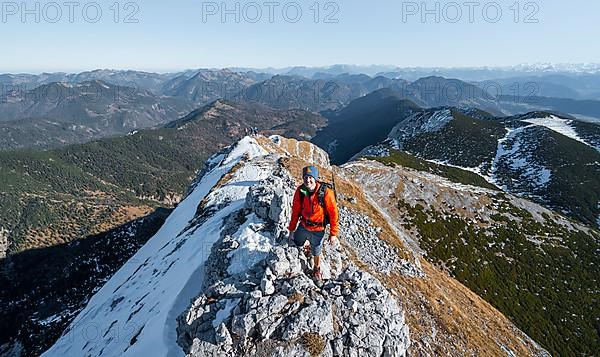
(312, 211)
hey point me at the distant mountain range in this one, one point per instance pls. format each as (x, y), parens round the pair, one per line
(413, 73)
(135, 79)
(585, 110)
(360, 110)
(207, 86)
(54, 109)
(62, 113)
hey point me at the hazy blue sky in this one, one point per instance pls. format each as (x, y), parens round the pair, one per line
(173, 36)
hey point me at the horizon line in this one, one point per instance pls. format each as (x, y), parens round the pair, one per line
(594, 65)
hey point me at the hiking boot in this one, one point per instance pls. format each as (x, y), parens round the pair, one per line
(317, 274)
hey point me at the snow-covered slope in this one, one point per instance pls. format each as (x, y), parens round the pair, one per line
(517, 156)
(134, 313)
(561, 126)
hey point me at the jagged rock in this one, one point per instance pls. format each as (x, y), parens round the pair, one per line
(352, 305)
(271, 200)
(280, 304)
(366, 322)
(266, 286)
(268, 325)
(316, 317)
(242, 324)
(278, 261)
(294, 260)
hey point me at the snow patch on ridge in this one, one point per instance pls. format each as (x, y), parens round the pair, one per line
(559, 125)
(512, 154)
(419, 123)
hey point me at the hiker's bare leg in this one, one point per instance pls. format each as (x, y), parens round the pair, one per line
(317, 262)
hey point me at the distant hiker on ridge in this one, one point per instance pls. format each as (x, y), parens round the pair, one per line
(314, 206)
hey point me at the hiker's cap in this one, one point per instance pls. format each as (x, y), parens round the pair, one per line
(310, 171)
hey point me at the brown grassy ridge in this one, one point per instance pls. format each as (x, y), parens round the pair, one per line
(100, 217)
(121, 216)
(444, 316)
(465, 323)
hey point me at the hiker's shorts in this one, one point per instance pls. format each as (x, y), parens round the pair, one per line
(301, 235)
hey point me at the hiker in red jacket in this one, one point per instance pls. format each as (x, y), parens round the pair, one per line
(314, 214)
